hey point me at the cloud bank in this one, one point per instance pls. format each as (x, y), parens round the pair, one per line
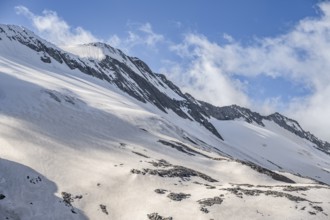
(53, 28)
(56, 30)
(301, 56)
(137, 36)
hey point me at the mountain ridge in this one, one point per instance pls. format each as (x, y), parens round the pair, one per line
(235, 112)
(200, 113)
(116, 72)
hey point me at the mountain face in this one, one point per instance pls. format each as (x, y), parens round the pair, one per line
(236, 112)
(96, 134)
(129, 74)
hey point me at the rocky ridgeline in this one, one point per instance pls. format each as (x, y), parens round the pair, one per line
(236, 112)
(156, 216)
(172, 171)
(267, 172)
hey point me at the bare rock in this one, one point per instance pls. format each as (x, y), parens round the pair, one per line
(160, 191)
(178, 196)
(104, 209)
(156, 216)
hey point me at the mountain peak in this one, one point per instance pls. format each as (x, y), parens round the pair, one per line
(95, 51)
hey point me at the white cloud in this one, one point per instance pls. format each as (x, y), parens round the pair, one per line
(56, 30)
(53, 28)
(151, 38)
(203, 76)
(229, 38)
(115, 41)
(137, 36)
(177, 24)
(301, 55)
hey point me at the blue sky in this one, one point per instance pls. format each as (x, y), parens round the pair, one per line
(269, 55)
(241, 19)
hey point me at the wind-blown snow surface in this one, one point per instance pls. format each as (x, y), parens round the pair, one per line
(75, 147)
(274, 148)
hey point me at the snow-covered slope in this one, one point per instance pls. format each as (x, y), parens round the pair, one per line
(103, 137)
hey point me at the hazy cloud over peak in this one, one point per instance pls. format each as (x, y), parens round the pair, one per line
(55, 29)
